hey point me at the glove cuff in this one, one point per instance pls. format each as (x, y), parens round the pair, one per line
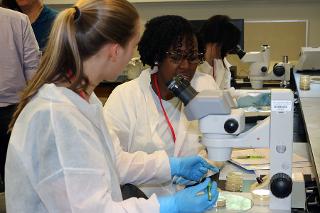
(168, 204)
(174, 165)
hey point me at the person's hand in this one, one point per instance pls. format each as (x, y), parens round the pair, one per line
(191, 168)
(219, 164)
(193, 199)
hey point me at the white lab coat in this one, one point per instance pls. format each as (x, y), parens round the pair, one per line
(222, 74)
(222, 77)
(133, 113)
(61, 159)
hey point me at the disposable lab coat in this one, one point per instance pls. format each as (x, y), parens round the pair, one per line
(132, 113)
(222, 78)
(222, 74)
(61, 159)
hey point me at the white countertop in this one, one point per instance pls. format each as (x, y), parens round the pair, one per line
(311, 114)
(310, 107)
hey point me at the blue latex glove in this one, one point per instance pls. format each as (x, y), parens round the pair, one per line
(191, 168)
(193, 199)
(262, 99)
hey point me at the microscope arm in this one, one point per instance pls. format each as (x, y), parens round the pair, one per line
(220, 146)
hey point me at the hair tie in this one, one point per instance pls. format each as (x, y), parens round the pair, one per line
(77, 13)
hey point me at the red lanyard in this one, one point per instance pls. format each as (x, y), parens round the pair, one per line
(155, 81)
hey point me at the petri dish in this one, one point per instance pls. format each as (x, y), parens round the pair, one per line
(233, 203)
(261, 196)
(234, 182)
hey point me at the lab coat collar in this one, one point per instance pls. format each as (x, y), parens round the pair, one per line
(145, 79)
(145, 83)
(153, 114)
(91, 110)
(205, 67)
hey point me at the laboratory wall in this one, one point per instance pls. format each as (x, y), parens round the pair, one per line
(247, 9)
(286, 41)
(299, 34)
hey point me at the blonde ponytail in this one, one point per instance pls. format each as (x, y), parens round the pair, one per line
(78, 33)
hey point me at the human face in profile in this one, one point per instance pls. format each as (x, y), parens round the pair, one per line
(27, 3)
(124, 55)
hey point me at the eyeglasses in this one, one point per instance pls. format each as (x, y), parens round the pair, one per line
(191, 57)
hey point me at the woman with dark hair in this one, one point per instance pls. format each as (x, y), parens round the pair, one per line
(218, 37)
(143, 113)
(61, 156)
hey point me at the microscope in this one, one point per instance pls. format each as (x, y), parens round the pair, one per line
(223, 128)
(309, 59)
(259, 69)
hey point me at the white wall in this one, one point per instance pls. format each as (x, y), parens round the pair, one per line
(247, 9)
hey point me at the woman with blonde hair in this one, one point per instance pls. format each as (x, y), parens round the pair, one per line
(61, 156)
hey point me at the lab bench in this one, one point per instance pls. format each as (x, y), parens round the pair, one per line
(310, 102)
(244, 83)
(249, 177)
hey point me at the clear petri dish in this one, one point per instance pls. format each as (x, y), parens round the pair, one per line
(260, 197)
(229, 202)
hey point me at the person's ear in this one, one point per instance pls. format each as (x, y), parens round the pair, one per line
(113, 51)
(217, 50)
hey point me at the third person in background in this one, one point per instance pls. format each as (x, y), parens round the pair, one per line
(40, 16)
(19, 59)
(218, 37)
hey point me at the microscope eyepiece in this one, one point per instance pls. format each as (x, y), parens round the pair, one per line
(182, 89)
(279, 69)
(239, 51)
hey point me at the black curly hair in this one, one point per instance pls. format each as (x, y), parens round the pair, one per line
(219, 29)
(160, 34)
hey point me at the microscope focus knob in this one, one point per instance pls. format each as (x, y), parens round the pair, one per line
(281, 185)
(264, 69)
(231, 125)
(279, 70)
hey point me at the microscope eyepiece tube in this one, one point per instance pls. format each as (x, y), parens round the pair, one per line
(285, 59)
(239, 51)
(218, 154)
(182, 89)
